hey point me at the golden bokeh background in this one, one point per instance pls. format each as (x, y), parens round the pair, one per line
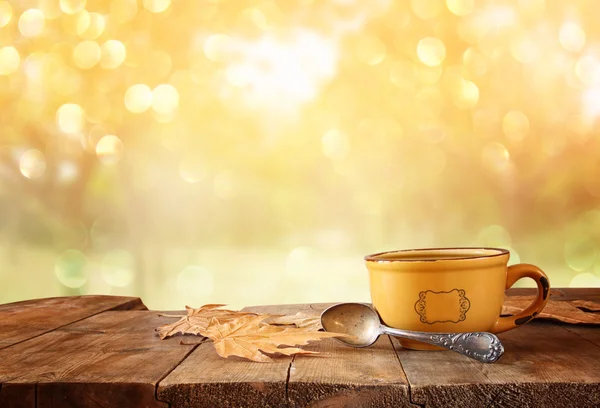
(251, 152)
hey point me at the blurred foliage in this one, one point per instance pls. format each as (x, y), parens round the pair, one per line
(142, 142)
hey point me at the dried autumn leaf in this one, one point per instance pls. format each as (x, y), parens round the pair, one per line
(248, 337)
(197, 320)
(567, 311)
(301, 319)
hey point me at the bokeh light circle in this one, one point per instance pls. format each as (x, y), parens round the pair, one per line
(460, 7)
(585, 280)
(72, 6)
(113, 53)
(32, 23)
(6, 13)
(78, 23)
(431, 51)
(571, 37)
(69, 269)
(580, 252)
(109, 150)
(466, 95)
(9, 60)
(66, 172)
(138, 98)
(157, 6)
(165, 99)
(94, 28)
(32, 164)
(86, 54)
(70, 118)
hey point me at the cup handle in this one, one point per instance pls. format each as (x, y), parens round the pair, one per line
(514, 273)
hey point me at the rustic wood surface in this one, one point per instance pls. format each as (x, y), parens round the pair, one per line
(44, 315)
(111, 359)
(101, 351)
(544, 365)
(343, 377)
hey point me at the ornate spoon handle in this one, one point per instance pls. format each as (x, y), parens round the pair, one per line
(481, 346)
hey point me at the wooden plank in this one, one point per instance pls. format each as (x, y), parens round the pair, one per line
(205, 379)
(17, 396)
(23, 320)
(544, 365)
(344, 376)
(111, 359)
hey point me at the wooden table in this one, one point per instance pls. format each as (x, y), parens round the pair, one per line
(102, 351)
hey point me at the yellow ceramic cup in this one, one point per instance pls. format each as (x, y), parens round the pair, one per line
(449, 290)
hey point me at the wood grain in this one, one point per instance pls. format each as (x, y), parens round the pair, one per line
(113, 359)
(23, 320)
(347, 377)
(590, 333)
(544, 365)
(344, 376)
(205, 379)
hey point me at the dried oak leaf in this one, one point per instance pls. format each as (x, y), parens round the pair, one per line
(309, 320)
(567, 311)
(248, 337)
(197, 320)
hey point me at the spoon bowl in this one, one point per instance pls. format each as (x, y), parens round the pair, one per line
(357, 320)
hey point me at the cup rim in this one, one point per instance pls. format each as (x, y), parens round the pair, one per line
(377, 256)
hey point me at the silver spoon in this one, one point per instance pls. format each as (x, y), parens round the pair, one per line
(362, 323)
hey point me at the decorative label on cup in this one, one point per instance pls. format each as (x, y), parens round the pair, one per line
(442, 307)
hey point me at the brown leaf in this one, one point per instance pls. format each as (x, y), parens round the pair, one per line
(197, 320)
(310, 320)
(566, 311)
(246, 336)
